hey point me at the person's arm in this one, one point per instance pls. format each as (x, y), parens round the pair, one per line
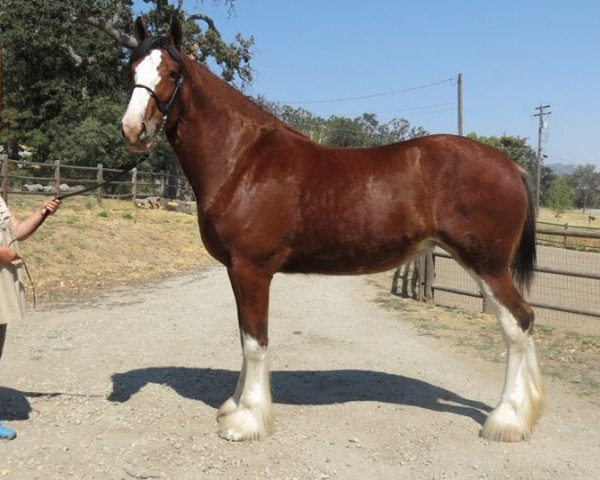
(25, 228)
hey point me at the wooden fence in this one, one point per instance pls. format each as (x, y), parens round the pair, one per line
(419, 280)
(47, 179)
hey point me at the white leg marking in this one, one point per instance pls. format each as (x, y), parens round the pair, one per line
(523, 393)
(248, 415)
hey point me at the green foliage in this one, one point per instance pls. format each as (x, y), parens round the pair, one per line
(64, 67)
(559, 196)
(517, 149)
(363, 131)
(203, 39)
(585, 181)
(41, 77)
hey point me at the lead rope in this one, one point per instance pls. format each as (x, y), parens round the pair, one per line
(112, 178)
(123, 170)
(164, 109)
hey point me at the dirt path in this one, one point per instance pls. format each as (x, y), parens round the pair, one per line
(127, 387)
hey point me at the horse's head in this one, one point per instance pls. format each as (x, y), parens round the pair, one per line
(156, 75)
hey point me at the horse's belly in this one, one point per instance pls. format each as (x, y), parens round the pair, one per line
(345, 260)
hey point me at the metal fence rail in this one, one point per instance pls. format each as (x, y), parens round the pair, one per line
(566, 286)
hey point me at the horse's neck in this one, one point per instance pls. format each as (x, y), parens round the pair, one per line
(215, 126)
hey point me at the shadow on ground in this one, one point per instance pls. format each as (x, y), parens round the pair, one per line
(328, 387)
(13, 404)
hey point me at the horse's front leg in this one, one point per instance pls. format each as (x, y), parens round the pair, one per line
(247, 415)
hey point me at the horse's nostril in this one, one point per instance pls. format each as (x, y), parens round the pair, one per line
(143, 130)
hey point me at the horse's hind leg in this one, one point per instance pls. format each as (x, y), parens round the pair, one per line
(522, 397)
(247, 415)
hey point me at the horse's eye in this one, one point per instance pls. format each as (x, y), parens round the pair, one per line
(174, 74)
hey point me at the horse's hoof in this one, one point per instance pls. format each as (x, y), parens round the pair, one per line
(230, 435)
(243, 423)
(507, 433)
(504, 425)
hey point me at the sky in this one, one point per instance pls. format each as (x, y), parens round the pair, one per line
(405, 58)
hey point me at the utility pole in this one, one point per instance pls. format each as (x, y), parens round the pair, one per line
(542, 124)
(460, 104)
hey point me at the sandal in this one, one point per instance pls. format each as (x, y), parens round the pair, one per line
(6, 433)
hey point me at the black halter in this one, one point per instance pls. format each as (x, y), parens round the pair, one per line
(163, 107)
(143, 49)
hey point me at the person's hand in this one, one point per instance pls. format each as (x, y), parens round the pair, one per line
(50, 206)
(8, 255)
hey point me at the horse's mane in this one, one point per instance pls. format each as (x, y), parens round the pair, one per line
(230, 95)
(243, 103)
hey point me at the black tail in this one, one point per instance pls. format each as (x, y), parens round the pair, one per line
(524, 262)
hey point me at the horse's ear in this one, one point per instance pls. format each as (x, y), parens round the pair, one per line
(139, 31)
(175, 33)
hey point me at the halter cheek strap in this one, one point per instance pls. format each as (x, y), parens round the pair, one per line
(163, 107)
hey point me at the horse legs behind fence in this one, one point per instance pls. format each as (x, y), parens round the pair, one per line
(522, 397)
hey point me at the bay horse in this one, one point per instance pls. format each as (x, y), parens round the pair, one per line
(270, 200)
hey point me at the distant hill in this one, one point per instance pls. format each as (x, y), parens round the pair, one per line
(562, 168)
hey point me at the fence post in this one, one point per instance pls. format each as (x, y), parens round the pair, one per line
(178, 189)
(163, 184)
(429, 275)
(99, 179)
(485, 305)
(421, 265)
(5, 167)
(134, 184)
(188, 189)
(426, 274)
(57, 177)
(395, 278)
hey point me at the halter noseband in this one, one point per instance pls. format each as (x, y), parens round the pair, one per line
(163, 107)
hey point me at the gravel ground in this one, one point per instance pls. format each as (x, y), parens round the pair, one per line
(127, 386)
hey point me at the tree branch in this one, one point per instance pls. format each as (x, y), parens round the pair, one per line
(206, 19)
(78, 59)
(110, 28)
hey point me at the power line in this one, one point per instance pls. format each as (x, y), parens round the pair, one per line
(373, 95)
(436, 108)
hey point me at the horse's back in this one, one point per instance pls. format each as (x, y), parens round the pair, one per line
(369, 209)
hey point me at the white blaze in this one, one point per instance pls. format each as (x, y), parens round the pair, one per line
(146, 74)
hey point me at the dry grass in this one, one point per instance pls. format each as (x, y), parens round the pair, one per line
(91, 245)
(573, 217)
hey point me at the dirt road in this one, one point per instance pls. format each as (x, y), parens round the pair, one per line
(127, 387)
